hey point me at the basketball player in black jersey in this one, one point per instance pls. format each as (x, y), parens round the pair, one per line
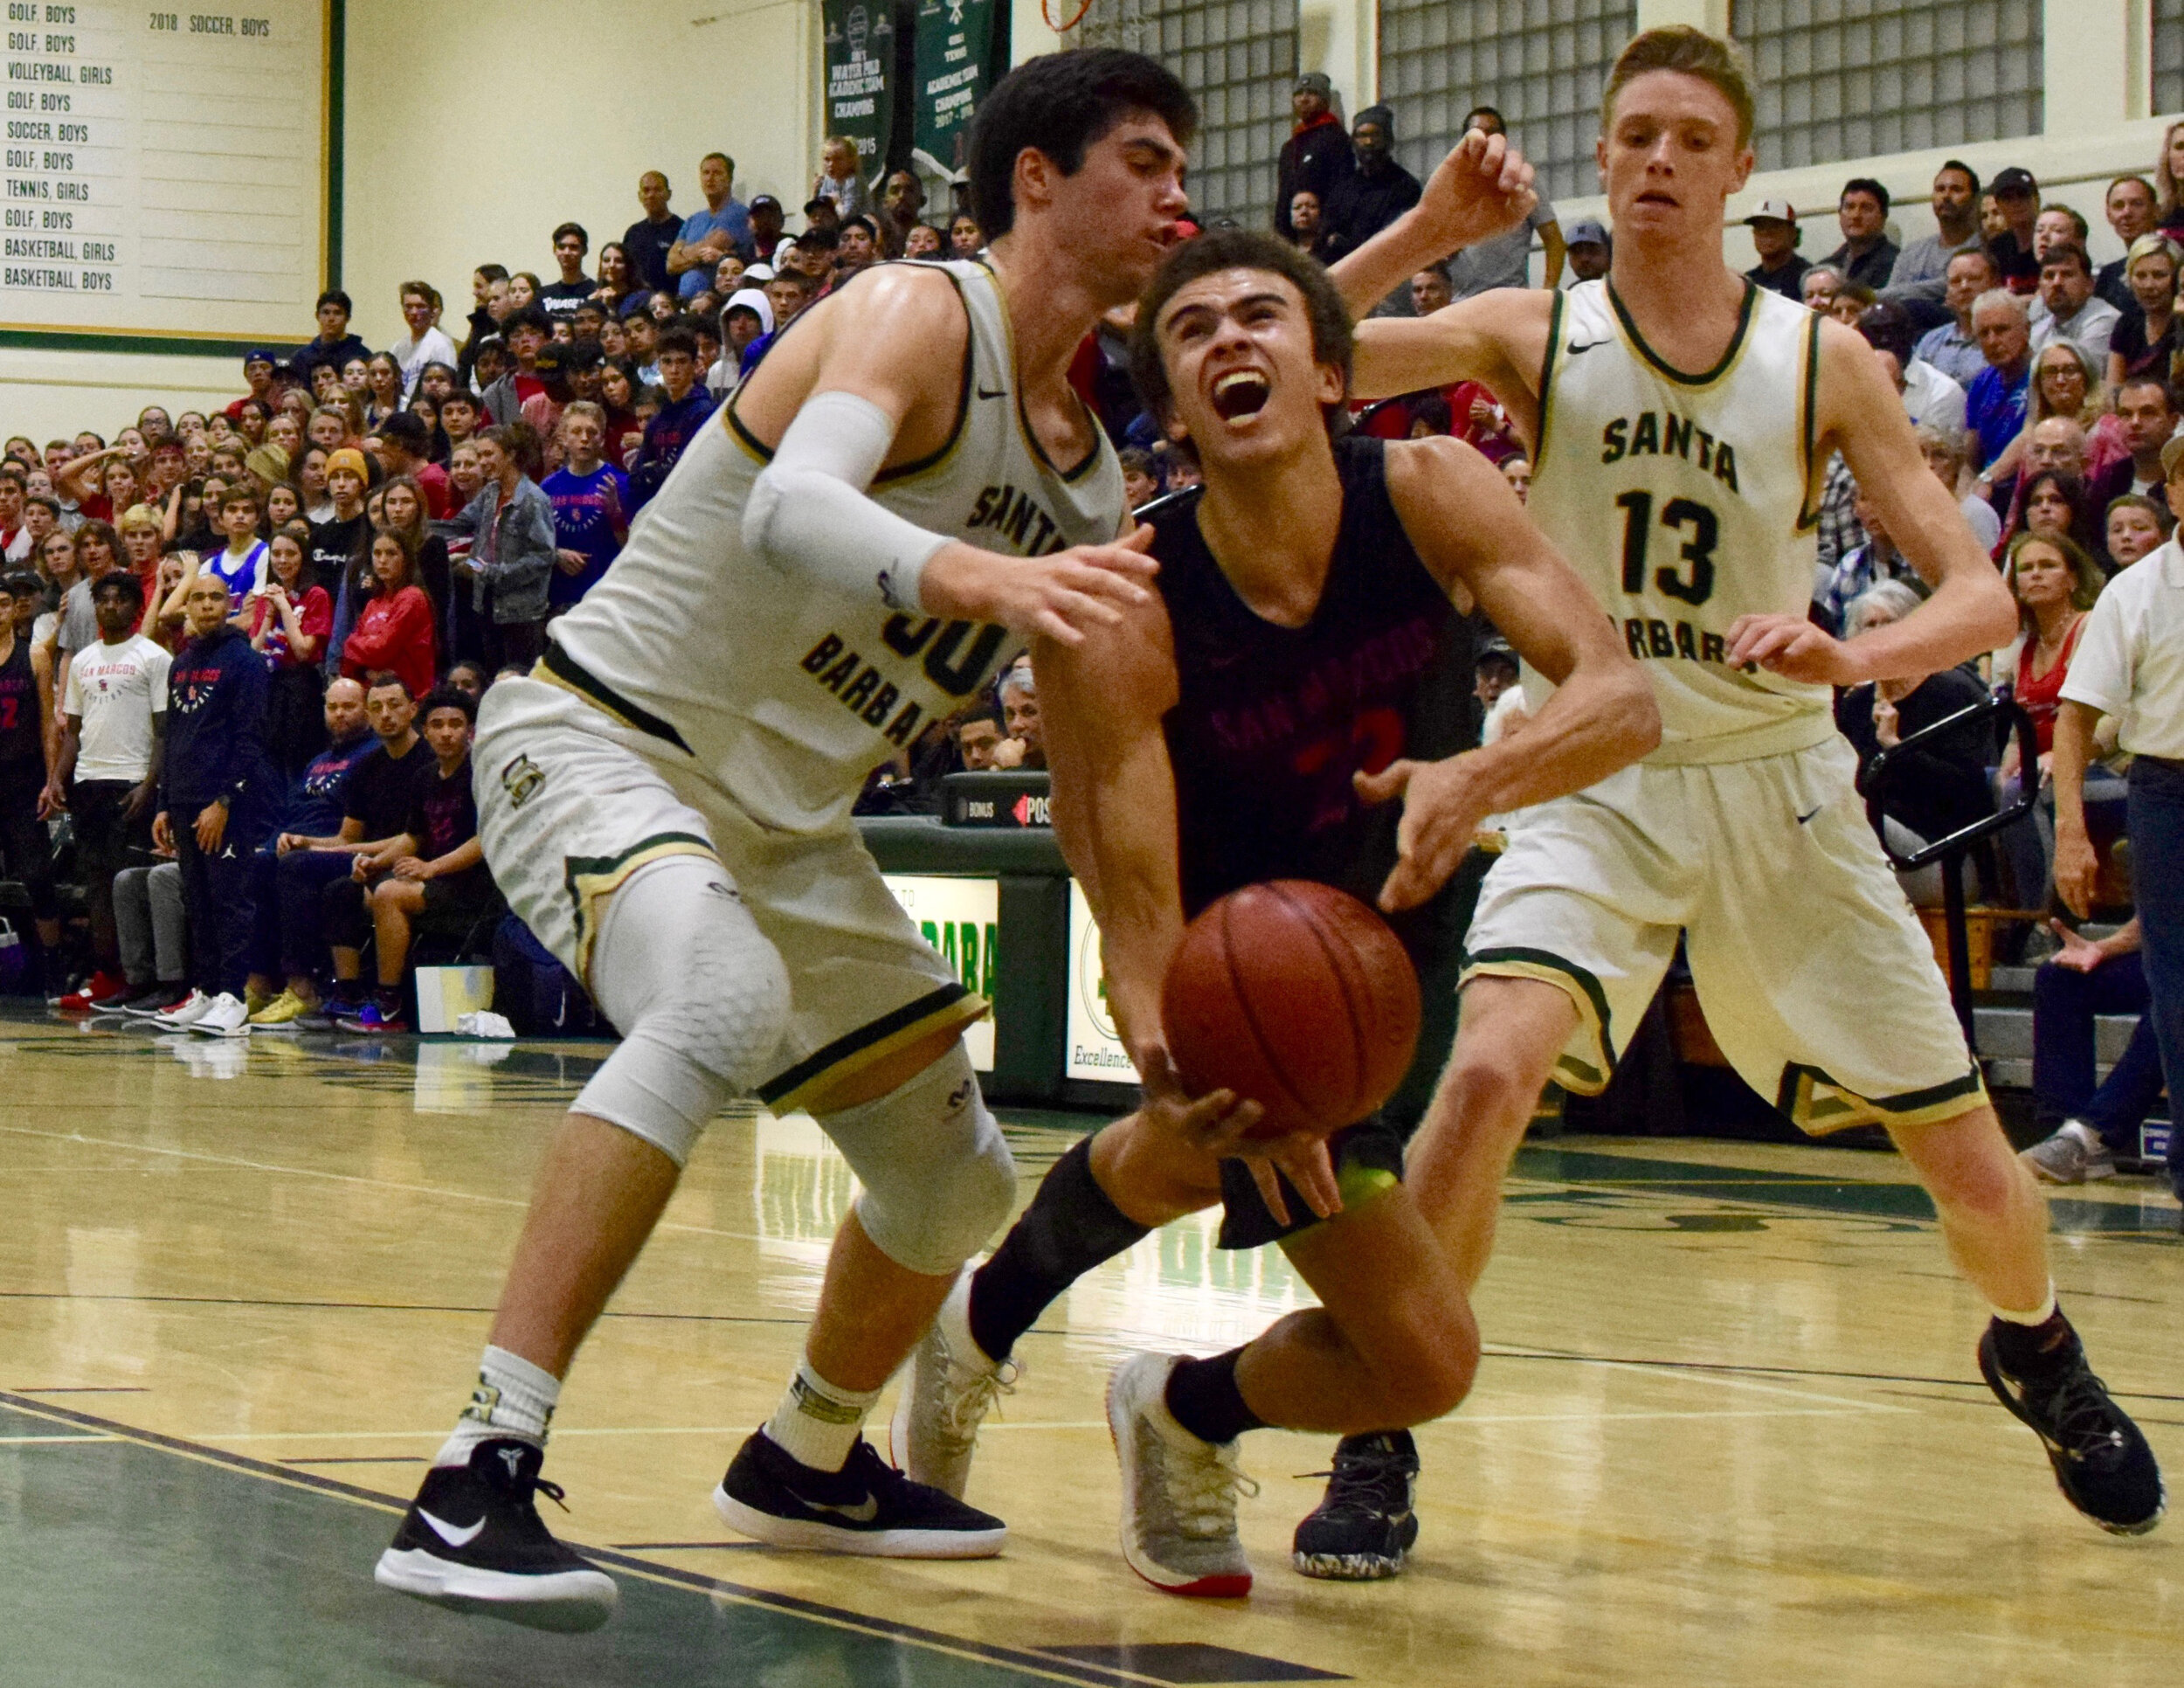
(1255, 722)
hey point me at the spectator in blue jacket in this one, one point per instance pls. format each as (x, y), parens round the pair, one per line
(669, 433)
(216, 801)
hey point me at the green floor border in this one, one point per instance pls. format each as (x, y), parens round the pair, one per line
(1029, 1663)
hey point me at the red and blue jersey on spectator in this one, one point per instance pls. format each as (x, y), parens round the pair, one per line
(587, 509)
(315, 801)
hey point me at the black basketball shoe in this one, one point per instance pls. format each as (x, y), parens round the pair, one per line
(866, 1507)
(2102, 1462)
(473, 1541)
(1363, 1525)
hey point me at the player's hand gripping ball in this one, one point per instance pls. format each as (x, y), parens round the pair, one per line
(1296, 996)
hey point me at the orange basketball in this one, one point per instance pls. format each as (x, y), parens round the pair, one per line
(1295, 995)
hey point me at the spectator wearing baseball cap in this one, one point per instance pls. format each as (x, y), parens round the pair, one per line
(1774, 235)
(258, 376)
(1588, 246)
(766, 219)
(2016, 196)
(1317, 153)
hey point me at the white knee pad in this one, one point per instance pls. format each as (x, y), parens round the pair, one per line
(700, 997)
(937, 1176)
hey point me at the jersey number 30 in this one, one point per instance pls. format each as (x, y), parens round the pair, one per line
(1694, 582)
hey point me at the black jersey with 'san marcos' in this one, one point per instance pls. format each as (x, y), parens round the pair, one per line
(1272, 722)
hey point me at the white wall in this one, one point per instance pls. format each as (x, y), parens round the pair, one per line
(474, 128)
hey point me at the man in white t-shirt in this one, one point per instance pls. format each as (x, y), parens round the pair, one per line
(425, 343)
(2130, 664)
(113, 717)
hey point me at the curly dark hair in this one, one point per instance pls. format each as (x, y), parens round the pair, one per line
(1237, 249)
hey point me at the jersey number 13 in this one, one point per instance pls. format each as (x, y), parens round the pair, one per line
(1690, 579)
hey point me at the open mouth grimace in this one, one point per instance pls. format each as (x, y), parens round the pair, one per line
(1241, 393)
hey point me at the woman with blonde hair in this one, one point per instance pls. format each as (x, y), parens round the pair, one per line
(2168, 181)
(2146, 340)
(2066, 384)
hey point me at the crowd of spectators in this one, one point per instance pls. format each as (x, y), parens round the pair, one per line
(244, 648)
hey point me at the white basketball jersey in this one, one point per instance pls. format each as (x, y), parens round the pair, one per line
(787, 693)
(1686, 501)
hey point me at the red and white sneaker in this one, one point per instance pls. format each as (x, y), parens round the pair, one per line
(1178, 1492)
(99, 988)
(184, 1014)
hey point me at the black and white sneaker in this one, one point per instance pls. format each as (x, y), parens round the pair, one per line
(1364, 1525)
(866, 1507)
(2102, 1462)
(473, 1541)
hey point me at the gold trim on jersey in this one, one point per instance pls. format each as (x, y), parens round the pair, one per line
(1547, 382)
(1023, 423)
(1720, 372)
(1818, 1105)
(1583, 1078)
(589, 880)
(827, 1072)
(1808, 444)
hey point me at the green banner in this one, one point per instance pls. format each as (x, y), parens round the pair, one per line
(954, 42)
(861, 77)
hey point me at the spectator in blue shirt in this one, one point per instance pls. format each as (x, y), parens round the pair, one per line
(1995, 405)
(708, 236)
(289, 873)
(588, 495)
(678, 420)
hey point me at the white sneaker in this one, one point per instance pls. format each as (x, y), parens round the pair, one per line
(1178, 1492)
(184, 1014)
(949, 1389)
(226, 1015)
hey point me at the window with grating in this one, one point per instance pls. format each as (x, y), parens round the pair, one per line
(2168, 55)
(1847, 79)
(1238, 58)
(1540, 63)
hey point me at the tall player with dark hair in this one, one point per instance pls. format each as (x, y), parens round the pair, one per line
(1681, 423)
(905, 488)
(1255, 722)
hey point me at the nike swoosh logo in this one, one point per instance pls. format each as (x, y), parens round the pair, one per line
(1802, 818)
(1576, 350)
(863, 1513)
(449, 1533)
(1000, 392)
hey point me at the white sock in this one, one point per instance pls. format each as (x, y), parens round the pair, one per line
(513, 1397)
(2039, 1314)
(818, 1422)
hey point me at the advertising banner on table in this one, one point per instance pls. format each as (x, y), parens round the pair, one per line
(859, 72)
(961, 918)
(1095, 1048)
(954, 42)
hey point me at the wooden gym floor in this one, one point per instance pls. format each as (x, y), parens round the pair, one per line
(1729, 1429)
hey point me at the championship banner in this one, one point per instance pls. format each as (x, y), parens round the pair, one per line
(954, 42)
(861, 77)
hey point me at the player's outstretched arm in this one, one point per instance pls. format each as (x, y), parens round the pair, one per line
(1470, 530)
(1971, 611)
(871, 380)
(1481, 189)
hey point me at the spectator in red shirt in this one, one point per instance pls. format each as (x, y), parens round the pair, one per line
(395, 631)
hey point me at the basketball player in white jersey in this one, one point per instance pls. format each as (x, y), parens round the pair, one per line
(1681, 421)
(906, 489)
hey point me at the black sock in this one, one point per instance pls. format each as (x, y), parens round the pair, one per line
(2036, 1352)
(1203, 1396)
(1071, 1227)
(390, 999)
